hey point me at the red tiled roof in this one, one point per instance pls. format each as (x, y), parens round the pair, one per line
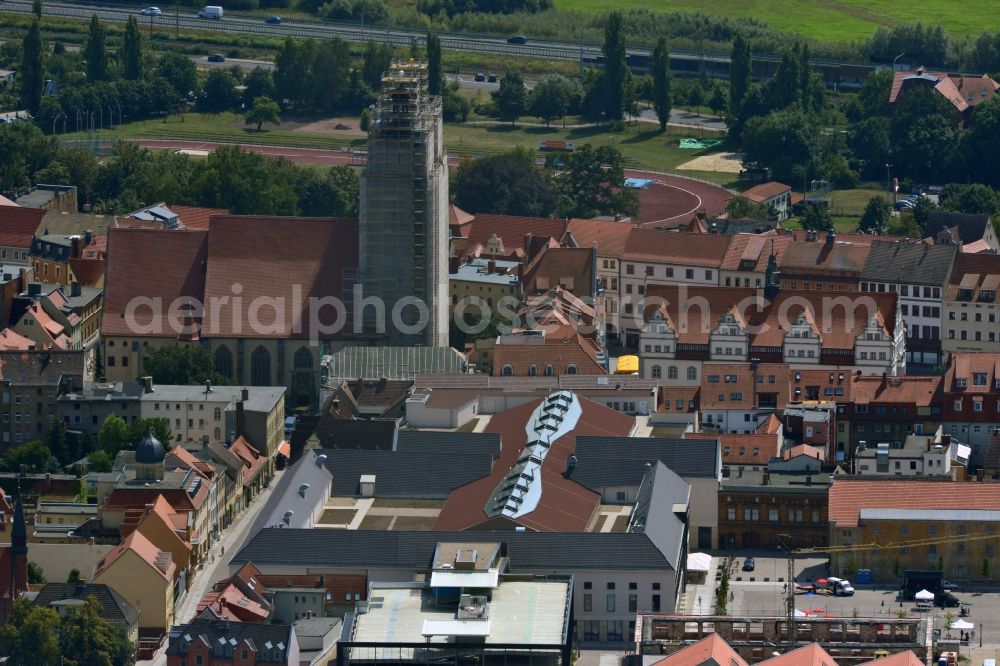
(754, 248)
(457, 216)
(18, 225)
(186, 460)
(709, 651)
(162, 266)
(195, 217)
(764, 191)
(919, 391)
(53, 330)
(766, 446)
(557, 351)
(291, 259)
(695, 324)
(803, 450)
(770, 426)
(565, 505)
(976, 247)
(570, 268)
(4, 201)
(610, 237)
(849, 496)
(11, 340)
(841, 256)
(964, 366)
(511, 230)
(676, 247)
(807, 655)
(248, 454)
(907, 658)
(158, 560)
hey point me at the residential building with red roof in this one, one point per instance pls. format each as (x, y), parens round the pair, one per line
(948, 518)
(970, 401)
(609, 238)
(963, 92)
(825, 263)
(308, 260)
(807, 655)
(685, 327)
(17, 229)
(50, 255)
(544, 355)
(709, 651)
(146, 577)
(747, 258)
(553, 501)
(165, 528)
(508, 236)
(970, 314)
(11, 340)
(753, 449)
(775, 197)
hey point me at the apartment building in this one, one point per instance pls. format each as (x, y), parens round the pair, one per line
(971, 311)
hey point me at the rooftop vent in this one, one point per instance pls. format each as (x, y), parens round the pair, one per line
(303, 488)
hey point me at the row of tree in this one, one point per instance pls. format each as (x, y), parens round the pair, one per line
(37, 635)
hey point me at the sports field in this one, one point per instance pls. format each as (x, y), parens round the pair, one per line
(826, 20)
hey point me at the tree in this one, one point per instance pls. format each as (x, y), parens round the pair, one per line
(661, 82)
(219, 92)
(375, 62)
(131, 53)
(74, 577)
(179, 71)
(921, 211)
(30, 76)
(113, 436)
(551, 98)
(455, 107)
(435, 78)
(264, 110)
(740, 207)
(31, 637)
(160, 427)
(875, 219)
(740, 74)
(36, 8)
(180, 364)
(507, 184)
(615, 67)
(904, 225)
(974, 198)
(34, 455)
(333, 194)
(100, 461)
(592, 182)
(91, 639)
(511, 97)
(95, 51)
(258, 83)
(58, 444)
(784, 141)
(816, 217)
(870, 143)
(35, 574)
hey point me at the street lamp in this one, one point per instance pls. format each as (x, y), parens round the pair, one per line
(888, 183)
(55, 120)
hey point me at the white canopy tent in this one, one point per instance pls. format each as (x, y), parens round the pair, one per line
(962, 625)
(699, 562)
(924, 595)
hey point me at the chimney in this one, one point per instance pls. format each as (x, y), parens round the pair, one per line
(527, 247)
(88, 238)
(571, 463)
(75, 289)
(74, 242)
(240, 419)
(208, 386)
(831, 236)
(885, 381)
(147, 384)
(245, 394)
(336, 404)
(491, 266)
(453, 264)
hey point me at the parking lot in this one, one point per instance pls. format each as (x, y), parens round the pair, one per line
(762, 592)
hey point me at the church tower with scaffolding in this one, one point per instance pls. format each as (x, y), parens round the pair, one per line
(404, 212)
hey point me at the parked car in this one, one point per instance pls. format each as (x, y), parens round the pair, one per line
(517, 39)
(217, 57)
(151, 11)
(492, 78)
(480, 77)
(748, 564)
(949, 585)
(273, 20)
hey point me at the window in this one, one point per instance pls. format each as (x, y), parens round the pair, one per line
(656, 600)
(611, 602)
(689, 274)
(507, 371)
(260, 367)
(630, 269)
(657, 372)
(570, 369)
(588, 602)
(772, 515)
(672, 372)
(591, 630)
(633, 603)
(731, 513)
(532, 370)
(692, 373)
(649, 271)
(616, 630)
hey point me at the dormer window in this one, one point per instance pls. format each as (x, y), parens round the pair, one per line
(961, 382)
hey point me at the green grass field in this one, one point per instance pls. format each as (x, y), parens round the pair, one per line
(641, 144)
(826, 20)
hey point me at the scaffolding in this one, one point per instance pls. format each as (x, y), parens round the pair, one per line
(404, 207)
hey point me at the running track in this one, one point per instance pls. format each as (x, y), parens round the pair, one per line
(669, 199)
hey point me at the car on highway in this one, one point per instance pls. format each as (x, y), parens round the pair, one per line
(217, 57)
(517, 39)
(480, 77)
(273, 20)
(492, 78)
(749, 564)
(151, 11)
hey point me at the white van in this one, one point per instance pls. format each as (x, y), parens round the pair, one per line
(840, 587)
(210, 12)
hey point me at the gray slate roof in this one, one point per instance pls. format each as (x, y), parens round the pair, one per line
(909, 263)
(333, 432)
(286, 496)
(258, 635)
(971, 226)
(621, 461)
(528, 551)
(661, 489)
(114, 607)
(391, 362)
(424, 464)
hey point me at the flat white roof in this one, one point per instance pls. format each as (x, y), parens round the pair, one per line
(489, 578)
(456, 628)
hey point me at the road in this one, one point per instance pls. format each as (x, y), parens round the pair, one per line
(216, 565)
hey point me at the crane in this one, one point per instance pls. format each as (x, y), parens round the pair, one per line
(854, 548)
